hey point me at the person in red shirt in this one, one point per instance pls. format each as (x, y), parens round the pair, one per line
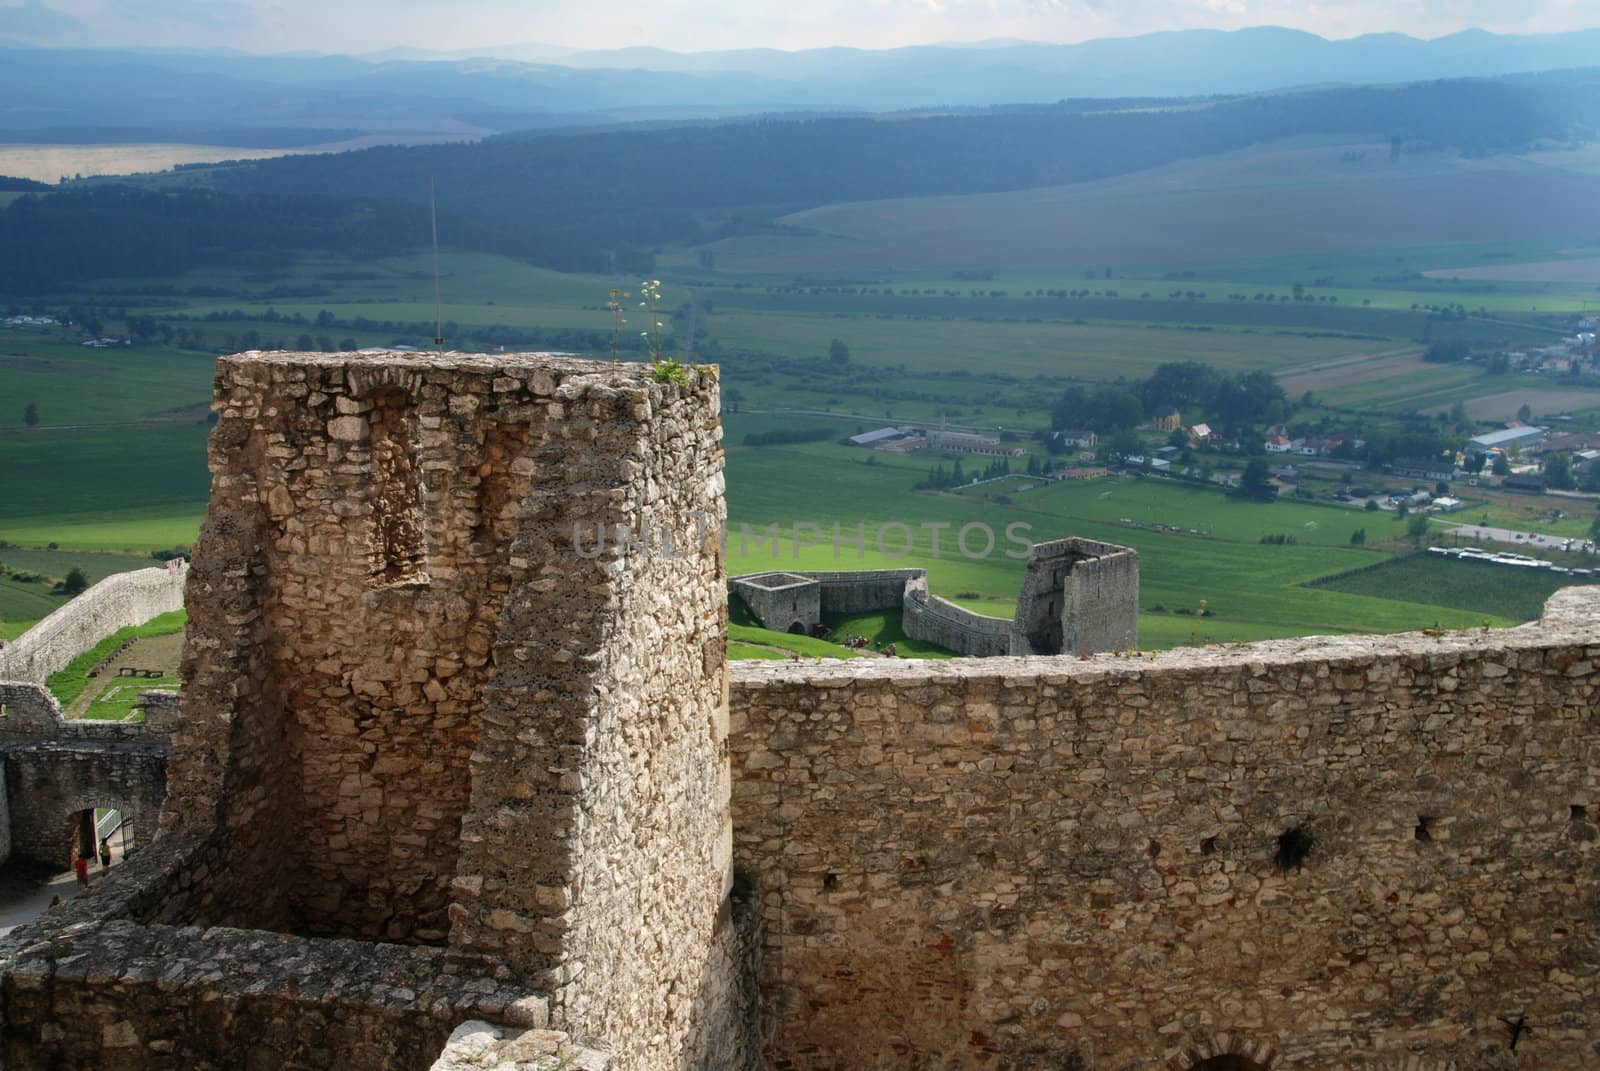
(80, 867)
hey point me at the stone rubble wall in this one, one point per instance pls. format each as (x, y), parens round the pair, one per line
(797, 603)
(423, 704)
(55, 767)
(597, 849)
(119, 601)
(938, 620)
(1095, 863)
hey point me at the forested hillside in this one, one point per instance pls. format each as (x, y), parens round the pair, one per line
(598, 200)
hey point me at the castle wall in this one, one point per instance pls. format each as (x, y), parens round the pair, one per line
(597, 850)
(938, 620)
(119, 601)
(845, 592)
(1101, 606)
(221, 1000)
(779, 605)
(1094, 863)
(1078, 596)
(54, 767)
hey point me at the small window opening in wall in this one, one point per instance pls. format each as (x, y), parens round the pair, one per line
(1294, 845)
(1154, 849)
(1424, 830)
(1208, 846)
(1580, 813)
(830, 882)
(397, 552)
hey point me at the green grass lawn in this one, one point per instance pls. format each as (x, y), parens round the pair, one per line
(883, 627)
(69, 682)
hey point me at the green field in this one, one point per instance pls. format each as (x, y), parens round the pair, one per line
(1252, 590)
(1206, 260)
(1296, 196)
(1464, 585)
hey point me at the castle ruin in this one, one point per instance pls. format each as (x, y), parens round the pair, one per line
(448, 785)
(1078, 597)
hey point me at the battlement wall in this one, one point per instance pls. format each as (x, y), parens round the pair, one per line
(1358, 851)
(934, 619)
(845, 592)
(119, 601)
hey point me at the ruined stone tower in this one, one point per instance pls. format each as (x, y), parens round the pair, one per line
(426, 706)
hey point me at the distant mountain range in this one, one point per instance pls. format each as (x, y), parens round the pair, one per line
(190, 96)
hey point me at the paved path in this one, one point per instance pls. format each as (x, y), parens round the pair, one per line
(23, 898)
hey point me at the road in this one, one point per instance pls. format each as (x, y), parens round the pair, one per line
(1511, 536)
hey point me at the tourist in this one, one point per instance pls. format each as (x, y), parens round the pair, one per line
(105, 851)
(80, 867)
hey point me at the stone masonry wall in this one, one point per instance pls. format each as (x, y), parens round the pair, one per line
(87, 988)
(597, 848)
(1101, 608)
(860, 592)
(938, 620)
(55, 768)
(1078, 596)
(423, 703)
(1352, 852)
(780, 600)
(118, 601)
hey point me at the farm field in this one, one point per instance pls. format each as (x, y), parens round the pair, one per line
(119, 459)
(1464, 585)
(48, 163)
(1273, 199)
(1576, 270)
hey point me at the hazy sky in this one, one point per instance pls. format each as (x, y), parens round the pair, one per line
(697, 25)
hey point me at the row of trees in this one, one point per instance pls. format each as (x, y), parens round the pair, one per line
(1230, 401)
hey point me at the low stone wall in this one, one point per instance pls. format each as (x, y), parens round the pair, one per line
(1362, 852)
(131, 996)
(118, 601)
(955, 628)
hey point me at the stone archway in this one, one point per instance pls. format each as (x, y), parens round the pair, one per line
(1223, 1051)
(797, 629)
(1227, 1062)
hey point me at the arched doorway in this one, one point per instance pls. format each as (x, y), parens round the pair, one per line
(1227, 1062)
(797, 629)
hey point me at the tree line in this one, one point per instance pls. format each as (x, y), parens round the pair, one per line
(604, 201)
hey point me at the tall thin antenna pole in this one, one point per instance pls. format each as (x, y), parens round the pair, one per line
(433, 218)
